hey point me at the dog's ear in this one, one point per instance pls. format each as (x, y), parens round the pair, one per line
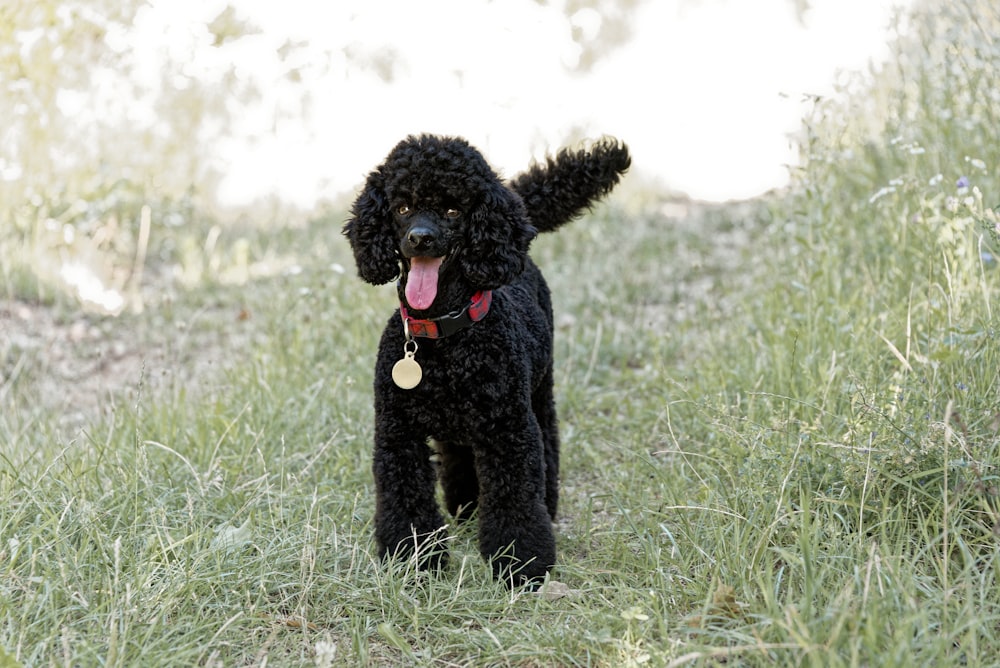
(370, 232)
(497, 240)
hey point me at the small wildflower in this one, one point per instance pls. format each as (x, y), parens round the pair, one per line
(963, 182)
(962, 387)
(977, 163)
(936, 179)
(326, 652)
(917, 150)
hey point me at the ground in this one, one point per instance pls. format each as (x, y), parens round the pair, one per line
(76, 364)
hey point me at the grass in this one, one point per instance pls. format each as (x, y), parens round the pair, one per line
(780, 424)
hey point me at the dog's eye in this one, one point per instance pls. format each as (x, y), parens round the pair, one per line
(452, 213)
(403, 210)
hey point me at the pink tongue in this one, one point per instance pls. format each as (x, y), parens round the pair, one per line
(422, 281)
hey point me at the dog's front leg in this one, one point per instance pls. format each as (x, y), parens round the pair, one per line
(515, 530)
(408, 522)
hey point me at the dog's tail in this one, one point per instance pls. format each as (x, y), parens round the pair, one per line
(563, 187)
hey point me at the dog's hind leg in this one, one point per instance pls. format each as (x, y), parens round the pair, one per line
(544, 406)
(457, 471)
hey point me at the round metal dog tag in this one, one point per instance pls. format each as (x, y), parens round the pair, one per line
(406, 373)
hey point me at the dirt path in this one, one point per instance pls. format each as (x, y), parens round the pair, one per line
(77, 365)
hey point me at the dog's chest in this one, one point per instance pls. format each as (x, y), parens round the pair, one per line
(460, 387)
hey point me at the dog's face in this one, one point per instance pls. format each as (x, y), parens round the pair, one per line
(429, 237)
(435, 212)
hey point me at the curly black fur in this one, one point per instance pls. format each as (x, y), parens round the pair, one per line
(486, 394)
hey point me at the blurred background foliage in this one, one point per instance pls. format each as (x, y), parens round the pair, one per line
(891, 228)
(97, 152)
(107, 168)
(108, 171)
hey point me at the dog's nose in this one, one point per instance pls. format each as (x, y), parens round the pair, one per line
(420, 237)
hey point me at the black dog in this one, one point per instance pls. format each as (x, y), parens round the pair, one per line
(467, 359)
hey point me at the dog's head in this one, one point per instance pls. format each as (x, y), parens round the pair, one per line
(435, 207)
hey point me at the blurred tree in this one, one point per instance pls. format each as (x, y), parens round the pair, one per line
(51, 53)
(81, 110)
(598, 26)
(800, 8)
(109, 110)
(601, 26)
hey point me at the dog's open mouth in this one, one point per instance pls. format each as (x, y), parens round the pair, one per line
(422, 281)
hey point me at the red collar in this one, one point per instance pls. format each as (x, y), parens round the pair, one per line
(456, 321)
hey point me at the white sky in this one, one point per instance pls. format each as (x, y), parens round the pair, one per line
(705, 94)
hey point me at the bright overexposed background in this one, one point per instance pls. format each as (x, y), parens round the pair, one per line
(168, 106)
(705, 92)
